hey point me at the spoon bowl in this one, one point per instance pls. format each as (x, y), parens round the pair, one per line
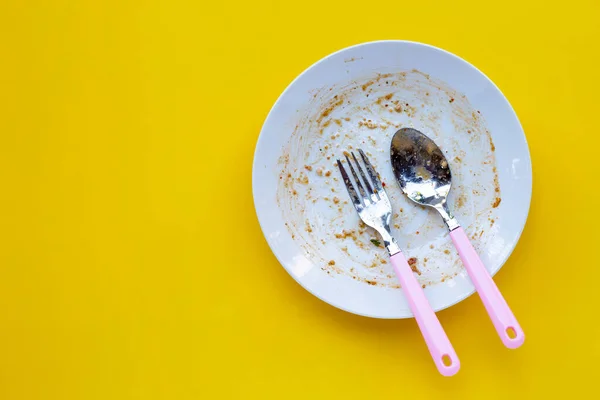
(422, 171)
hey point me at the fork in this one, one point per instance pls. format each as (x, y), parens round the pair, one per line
(375, 210)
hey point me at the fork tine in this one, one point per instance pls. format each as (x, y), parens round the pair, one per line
(362, 174)
(358, 204)
(372, 173)
(361, 189)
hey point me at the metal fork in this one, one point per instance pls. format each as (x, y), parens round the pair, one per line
(374, 209)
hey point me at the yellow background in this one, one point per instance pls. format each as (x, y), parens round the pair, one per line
(132, 265)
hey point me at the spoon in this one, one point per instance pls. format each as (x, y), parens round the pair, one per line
(424, 176)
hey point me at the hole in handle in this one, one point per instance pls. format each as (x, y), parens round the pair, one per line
(446, 360)
(510, 331)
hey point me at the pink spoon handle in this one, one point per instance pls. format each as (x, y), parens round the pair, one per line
(504, 321)
(441, 350)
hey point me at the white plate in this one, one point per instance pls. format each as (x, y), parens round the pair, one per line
(358, 97)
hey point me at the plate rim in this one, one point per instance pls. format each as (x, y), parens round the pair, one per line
(260, 138)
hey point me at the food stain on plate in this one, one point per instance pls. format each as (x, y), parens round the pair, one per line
(365, 114)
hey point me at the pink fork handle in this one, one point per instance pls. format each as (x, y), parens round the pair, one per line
(441, 350)
(504, 321)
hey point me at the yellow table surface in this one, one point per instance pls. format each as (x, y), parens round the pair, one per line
(124, 276)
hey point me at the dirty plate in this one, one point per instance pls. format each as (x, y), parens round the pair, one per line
(359, 97)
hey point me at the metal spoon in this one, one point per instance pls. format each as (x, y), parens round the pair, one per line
(424, 176)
